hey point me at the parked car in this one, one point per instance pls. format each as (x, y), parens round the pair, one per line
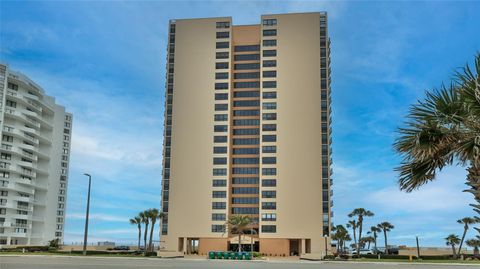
(366, 252)
(121, 248)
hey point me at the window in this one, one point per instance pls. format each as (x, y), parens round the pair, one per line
(249, 131)
(219, 183)
(223, 24)
(7, 138)
(221, 96)
(220, 117)
(223, 75)
(246, 141)
(269, 116)
(218, 228)
(247, 75)
(246, 66)
(219, 149)
(219, 171)
(245, 210)
(246, 122)
(269, 127)
(221, 107)
(269, 160)
(222, 55)
(222, 45)
(269, 229)
(245, 171)
(269, 217)
(269, 182)
(245, 200)
(269, 63)
(254, 112)
(220, 139)
(269, 74)
(269, 171)
(269, 95)
(12, 86)
(245, 151)
(269, 22)
(243, 94)
(269, 53)
(223, 34)
(270, 32)
(250, 84)
(270, 43)
(247, 57)
(269, 84)
(245, 180)
(245, 160)
(219, 194)
(269, 205)
(247, 48)
(11, 103)
(218, 217)
(220, 128)
(218, 160)
(221, 65)
(269, 194)
(219, 205)
(221, 86)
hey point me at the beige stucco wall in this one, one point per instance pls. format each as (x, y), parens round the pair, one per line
(299, 184)
(192, 131)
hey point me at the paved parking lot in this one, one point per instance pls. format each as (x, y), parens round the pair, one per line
(58, 262)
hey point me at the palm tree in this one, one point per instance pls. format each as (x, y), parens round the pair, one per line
(367, 239)
(146, 220)
(347, 238)
(374, 230)
(137, 221)
(353, 224)
(360, 213)
(466, 222)
(452, 240)
(238, 224)
(153, 214)
(443, 130)
(475, 244)
(340, 235)
(385, 227)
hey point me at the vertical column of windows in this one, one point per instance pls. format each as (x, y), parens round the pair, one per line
(245, 132)
(63, 178)
(221, 126)
(269, 125)
(325, 121)
(167, 143)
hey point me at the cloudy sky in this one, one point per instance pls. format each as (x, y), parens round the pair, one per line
(105, 61)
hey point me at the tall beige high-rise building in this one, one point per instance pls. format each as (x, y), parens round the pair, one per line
(34, 162)
(247, 131)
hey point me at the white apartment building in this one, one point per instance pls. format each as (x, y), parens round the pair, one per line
(34, 161)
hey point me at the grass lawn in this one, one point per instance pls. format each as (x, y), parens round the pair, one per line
(415, 261)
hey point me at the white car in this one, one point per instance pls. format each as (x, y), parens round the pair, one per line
(365, 252)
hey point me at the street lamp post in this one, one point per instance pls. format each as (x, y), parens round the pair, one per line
(87, 214)
(326, 249)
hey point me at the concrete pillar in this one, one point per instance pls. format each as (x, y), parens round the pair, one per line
(303, 247)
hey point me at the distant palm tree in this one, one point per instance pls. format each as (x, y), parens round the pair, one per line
(360, 213)
(385, 227)
(238, 224)
(137, 221)
(353, 224)
(466, 222)
(347, 238)
(443, 130)
(374, 230)
(475, 244)
(146, 220)
(153, 214)
(452, 240)
(340, 235)
(367, 240)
